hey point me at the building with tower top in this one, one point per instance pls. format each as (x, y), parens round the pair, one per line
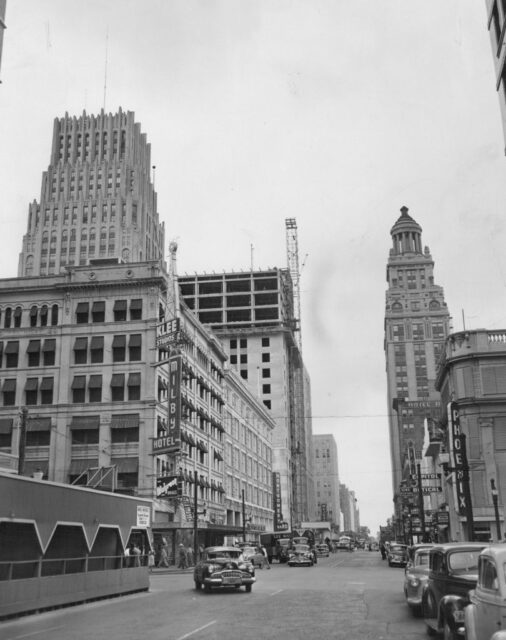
(417, 322)
(97, 200)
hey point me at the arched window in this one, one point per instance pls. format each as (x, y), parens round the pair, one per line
(54, 315)
(34, 311)
(43, 316)
(8, 317)
(17, 316)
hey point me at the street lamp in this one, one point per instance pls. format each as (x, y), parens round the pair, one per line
(496, 509)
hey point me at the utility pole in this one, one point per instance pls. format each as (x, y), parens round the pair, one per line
(496, 509)
(467, 490)
(195, 517)
(22, 440)
(243, 518)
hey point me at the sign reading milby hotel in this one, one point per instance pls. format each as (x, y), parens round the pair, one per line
(171, 442)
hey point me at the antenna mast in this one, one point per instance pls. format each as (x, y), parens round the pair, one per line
(292, 254)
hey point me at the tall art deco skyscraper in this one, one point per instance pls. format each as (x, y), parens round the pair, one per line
(97, 199)
(416, 325)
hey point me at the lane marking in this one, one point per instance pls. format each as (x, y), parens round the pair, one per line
(34, 633)
(191, 633)
(275, 593)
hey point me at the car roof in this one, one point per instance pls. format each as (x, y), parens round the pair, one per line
(450, 546)
(217, 549)
(496, 550)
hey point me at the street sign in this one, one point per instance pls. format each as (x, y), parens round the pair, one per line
(428, 489)
(426, 476)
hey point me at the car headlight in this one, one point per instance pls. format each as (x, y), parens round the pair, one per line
(213, 567)
(414, 582)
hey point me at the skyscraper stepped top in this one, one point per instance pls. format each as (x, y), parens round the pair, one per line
(97, 199)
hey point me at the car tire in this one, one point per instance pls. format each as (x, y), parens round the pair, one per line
(248, 588)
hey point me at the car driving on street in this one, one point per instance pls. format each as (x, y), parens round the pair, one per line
(223, 567)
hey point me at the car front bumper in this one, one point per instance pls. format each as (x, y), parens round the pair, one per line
(220, 581)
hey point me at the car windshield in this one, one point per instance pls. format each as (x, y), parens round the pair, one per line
(421, 558)
(301, 548)
(213, 555)
(464, 561)
(397, 548)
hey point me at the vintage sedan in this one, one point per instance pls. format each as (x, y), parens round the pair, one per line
(223, 567)
(415, 578)
(322, 550)
(485, 616)
(301, 555)
(397, 555)
(453, 572)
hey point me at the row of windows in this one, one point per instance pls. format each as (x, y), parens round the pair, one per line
(84, 389)
(13, 317)
(93, 349)
(98, 311)
(91, 147)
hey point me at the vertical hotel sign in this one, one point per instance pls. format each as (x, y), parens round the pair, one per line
(458, 457)
(279, 523)
(171, 442)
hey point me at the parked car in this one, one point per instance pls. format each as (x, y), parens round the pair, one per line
(419, 545)
(485, 616)
(416, 575)
(301, 555)
(322, 550)
(453, 572)
(397, 555)
(223, 567)
(344, 542)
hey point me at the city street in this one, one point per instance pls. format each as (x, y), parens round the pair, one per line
(346, 596)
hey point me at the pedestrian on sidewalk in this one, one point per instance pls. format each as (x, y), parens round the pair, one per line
(163, 561)
(183, 564)
(151, 560)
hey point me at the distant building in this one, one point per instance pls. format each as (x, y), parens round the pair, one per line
(326, 478)
(252, 313)
(416, 325)
(349, 509)
(496, 14)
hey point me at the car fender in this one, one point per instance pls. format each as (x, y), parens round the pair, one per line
(448, 605)
(499, 635)
(470, 623)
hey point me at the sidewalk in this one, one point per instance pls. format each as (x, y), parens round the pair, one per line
(168, 570)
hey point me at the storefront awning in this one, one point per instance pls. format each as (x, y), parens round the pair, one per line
(81, 344)
(126, 465)
(95, 382)
(9, 385)
(119, 342)
(118, 380)
(47, 384)
(85, 422)
(135, 340)
(12, 346)
(79, 382)
(38, 424)
(6, 425)
(97, 342)
(49, 345)
(120, 305)
(33, 346)
(32, 384)
(126, 421)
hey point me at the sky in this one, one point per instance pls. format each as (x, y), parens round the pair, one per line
(331, 112)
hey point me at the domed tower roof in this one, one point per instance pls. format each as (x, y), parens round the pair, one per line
(406, 234)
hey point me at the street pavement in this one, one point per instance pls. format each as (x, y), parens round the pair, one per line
(348, 596)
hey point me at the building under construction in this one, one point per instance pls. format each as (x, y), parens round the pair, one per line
(255, 315)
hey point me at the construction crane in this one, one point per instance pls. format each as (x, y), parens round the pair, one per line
(292, 254)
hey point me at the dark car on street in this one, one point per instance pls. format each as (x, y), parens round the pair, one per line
(415, 578)
(397, 555)
(222, 567)
(453, 572)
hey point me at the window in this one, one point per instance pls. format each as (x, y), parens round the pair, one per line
(134, 386)
(11, 354)
(98, 311)
(43, 316)
(38, 432)
(95, 388)
(135, 347)
(243, 343)
(118, 387)
(84, 436)
(33, 352)
(233, 359)
(267, 403)
(136, 309)
(46, 391)
(7, 318)
(9, 392)
(17, 316)
(54, 315)
(34, 311)
(266, 342)
(5, 432)
(31, 390)
(82, 312)
(266, 388)
(125, 428)
(80, 350)
(78, 389)
(48, 352)
(266, 357)
(97, 349)
(120, 310)
(266, 373)
(244, 358)
(244, 374)
(119, 348)
(233, 343)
